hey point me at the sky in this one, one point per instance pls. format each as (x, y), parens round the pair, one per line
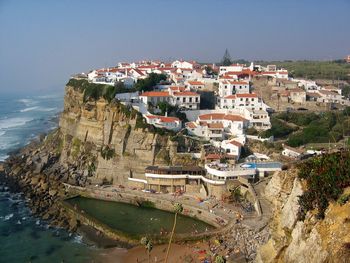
(43, 42)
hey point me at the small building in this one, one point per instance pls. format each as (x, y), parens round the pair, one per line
(291, 152)
(195, 85)
(169, 123)
(298, 95)
(230, 87)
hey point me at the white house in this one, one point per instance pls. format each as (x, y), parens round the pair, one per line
(297, 95)
(195, 85)
(291, 152)
(182, 64)
(186, 99)
(154, 97)
(217, 126)
(247, 100)
(169, 123)
(232, 147)
(233, 67)
(230, 87)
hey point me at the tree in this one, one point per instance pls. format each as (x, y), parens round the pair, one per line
(226, 59)
(177, 209)
(145, 241)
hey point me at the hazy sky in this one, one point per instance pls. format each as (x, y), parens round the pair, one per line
(43, 42)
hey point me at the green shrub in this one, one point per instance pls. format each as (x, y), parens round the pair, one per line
(94, 91)
(278, 129)
(107, 152)
(326, 177)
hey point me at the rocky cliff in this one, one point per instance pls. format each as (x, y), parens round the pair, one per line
(85, 128)
(97, 141)
(310, 241)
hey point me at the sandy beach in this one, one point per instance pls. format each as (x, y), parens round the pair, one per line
(194, 253)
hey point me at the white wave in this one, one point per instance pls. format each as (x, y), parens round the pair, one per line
(28, 102)
(46, 109)
(78, 239)
(13, 122)
(29, 109)
(8, 217)
(3, 157)
(50, 96)
(2, 133)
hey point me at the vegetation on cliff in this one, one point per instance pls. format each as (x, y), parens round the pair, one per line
(302, 128)
(149, 82)
(326, 176)
(93, 91)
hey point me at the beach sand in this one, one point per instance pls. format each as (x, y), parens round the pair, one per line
(194, 253)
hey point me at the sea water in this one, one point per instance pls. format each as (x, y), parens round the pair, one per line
(23, 237)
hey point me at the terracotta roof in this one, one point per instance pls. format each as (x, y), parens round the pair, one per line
(155, 94)
(327, 92)
(247, 95)
(221, 116)
(195, 83)
(163, 118)
(238, 144)
(296, 90)
(238, 82)
(177, 88)
(191, 125)
(185, 93)
(215, 126)
(313, 94)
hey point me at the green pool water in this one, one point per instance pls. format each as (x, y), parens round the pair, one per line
(137, 221)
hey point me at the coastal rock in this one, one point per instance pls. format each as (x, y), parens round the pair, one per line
(291, 207)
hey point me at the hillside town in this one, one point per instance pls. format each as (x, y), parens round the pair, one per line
(216, 105)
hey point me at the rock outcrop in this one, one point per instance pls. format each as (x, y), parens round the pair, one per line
(310, 241)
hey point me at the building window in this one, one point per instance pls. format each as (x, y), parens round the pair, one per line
(190, 99)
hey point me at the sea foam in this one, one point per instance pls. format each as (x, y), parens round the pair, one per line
(13, 122)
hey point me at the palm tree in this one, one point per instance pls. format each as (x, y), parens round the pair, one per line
(177, 209)
(145, 241)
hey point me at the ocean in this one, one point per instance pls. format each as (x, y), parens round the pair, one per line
(24, 238)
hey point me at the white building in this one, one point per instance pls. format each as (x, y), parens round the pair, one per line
(154, 97)
(230, 87)
(195, 85)
(217, 126)
(234, 67)
(247, 100)
(169, 123)
(182, 64)
(186, 99)
(291, 152)
(232, 147)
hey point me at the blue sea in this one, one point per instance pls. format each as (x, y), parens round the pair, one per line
(24, 238)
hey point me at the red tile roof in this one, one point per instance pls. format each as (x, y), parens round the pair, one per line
(191, 125)
(163, 118)
(238, 144)
(195, 83)
(186, 93)
(247, 95)
(221, 116)
(177, 88)
(155, 94)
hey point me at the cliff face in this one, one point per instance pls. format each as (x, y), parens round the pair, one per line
(311, 240)
(87, 127)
